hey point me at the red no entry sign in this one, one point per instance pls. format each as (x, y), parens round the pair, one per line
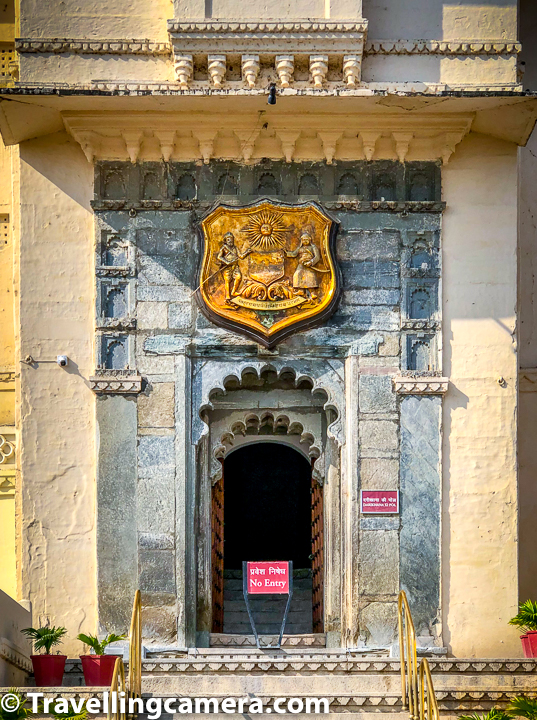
(268, 578)
(380, 501)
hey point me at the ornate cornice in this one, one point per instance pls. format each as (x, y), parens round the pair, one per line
(441, 47)
(267, 37)
(14, 656)
(420, 325)
(116, 382)
(194, 136)
(221, 640)
(414, 206)
(421, 385)
(92, 47)
(410, 206)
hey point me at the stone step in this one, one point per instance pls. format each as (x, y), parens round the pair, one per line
(353, 684)
(297, 605)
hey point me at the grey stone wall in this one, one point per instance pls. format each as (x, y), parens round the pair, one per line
(147, 254)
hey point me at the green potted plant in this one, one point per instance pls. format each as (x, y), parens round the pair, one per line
(493, 714)
(99, 668)
(48, 669)
(19, 708)
(526, 620)
(523, 707)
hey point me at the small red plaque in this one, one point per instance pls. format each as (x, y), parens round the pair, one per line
(268, 578)
(379, 501)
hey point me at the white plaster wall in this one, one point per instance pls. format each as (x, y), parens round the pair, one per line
(95, 19)
(57, 529)
(441, 19)
(479, 575)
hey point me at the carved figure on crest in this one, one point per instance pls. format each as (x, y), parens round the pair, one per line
(268, 269)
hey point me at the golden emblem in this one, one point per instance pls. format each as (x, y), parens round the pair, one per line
(268, 269)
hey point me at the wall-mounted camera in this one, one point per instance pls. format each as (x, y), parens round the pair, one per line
(62, 360)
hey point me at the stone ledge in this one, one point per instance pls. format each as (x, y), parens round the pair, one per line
(11, 654)
(441, 47)
(111, 383)
(421, 385)
(391, 206)
(91, 47)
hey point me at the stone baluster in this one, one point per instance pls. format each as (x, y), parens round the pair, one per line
(250, 69)
(217, 69)
(318, 69)
(184, 67)
(352, 70)
(285, 67)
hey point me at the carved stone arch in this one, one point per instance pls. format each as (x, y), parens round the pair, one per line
(326, 376)
(300, 430)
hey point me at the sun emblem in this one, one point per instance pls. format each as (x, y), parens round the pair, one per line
(266, 231)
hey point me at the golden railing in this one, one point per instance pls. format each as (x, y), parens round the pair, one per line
(133, 687)
(417, 687)
(409, 657)
(428, 702)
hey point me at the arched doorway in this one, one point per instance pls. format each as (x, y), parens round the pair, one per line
(266, 506)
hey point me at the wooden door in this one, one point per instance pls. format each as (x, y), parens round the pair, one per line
(217, 555)
(317, 555)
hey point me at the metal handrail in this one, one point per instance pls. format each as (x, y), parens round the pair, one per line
(409, 657)
(135, 648)
(117, 686)
(119, 710)
(428, 703)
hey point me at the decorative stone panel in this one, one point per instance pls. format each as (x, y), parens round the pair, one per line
(177, 369)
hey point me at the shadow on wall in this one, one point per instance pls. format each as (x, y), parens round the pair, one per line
(72, 178)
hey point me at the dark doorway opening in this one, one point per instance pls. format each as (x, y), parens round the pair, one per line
(267, 508)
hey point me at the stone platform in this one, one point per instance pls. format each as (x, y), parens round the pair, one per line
(352, 683)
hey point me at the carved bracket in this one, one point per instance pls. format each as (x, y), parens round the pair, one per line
(420, 385)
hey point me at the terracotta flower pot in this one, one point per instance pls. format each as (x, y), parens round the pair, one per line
(48, 669)
(98, 669)
(525, 646)
(532, 643)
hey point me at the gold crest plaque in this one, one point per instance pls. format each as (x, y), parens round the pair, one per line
(268, 269)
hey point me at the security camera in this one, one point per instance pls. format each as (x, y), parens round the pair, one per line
(62, 360)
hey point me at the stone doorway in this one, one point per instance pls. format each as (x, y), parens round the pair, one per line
(267, 506)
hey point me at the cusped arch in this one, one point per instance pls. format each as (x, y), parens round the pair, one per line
(325, 376)
(302, 431)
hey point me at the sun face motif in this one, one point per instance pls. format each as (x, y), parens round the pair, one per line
(266, 231)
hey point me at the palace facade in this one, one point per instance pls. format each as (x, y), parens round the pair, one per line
(177, 442)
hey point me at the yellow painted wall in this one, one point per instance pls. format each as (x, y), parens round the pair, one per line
(57, 532)
(8, 578)
(480, 584)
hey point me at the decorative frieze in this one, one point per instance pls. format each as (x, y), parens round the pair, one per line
(192, 136)
(266, 37)
(441, 47)
(420, 385)
(7, 446)
(91, 47)
(116, 382)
